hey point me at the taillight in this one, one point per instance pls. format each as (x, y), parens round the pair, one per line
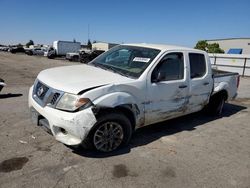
(238, 81)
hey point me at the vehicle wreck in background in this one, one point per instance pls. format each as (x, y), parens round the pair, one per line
(36, 51)
(125, 88)
(84, 56)
(61, 48)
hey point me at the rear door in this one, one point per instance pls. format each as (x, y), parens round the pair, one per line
(167, 88)
(201, 81)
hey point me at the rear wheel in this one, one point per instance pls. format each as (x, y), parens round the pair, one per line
(110, 132)
(216, 104)
(220, 106)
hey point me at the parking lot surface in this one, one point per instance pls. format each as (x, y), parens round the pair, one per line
(192, 151)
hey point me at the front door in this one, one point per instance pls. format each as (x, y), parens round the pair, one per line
(167, 89)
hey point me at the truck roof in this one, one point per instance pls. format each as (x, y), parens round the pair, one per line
(162, 47)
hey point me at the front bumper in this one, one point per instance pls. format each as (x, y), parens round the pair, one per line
(70, 128)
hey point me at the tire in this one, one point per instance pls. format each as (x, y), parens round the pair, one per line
(75, 58)
(111, 131)
(29, 53)
(220, 106)
(85, 60)
(51, 56)
(216, 104)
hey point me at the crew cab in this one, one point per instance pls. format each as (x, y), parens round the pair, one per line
(101, 103)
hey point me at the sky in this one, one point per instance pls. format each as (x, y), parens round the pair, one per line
(128, 21)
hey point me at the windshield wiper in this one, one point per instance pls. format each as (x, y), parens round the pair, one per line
(121, 73)
(100, 65)
(116, 71)
(107, 67)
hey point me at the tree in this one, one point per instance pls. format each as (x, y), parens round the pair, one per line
(215, 48)
(29, 43)
(210, 48)
(89, 45)
(201, 45)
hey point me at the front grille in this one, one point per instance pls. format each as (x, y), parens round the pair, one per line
(41, 90)
(45, 95)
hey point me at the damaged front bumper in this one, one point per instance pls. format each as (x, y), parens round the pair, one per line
(70, 128)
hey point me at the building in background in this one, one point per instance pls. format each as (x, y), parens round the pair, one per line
(233, 45)
(102, 46)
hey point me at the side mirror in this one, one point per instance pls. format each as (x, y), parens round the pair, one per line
(158, 76)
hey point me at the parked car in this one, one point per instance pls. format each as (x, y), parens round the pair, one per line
(17, 49)
(4, 48)
(100, 104)
(36, 51)
(75, 56)
(86, 57)
(2, 84)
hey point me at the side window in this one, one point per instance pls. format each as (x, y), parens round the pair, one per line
(197, 65)
(171, 67)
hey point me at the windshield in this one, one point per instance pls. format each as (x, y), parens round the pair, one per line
(128, 61)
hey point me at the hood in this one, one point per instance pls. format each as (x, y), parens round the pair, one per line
(73, 79)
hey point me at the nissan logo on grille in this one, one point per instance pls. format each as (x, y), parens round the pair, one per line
(40, 91)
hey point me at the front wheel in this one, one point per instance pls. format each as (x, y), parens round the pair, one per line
(111, 131)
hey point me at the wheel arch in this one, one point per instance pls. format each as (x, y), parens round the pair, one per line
(128, 110)
(222, 93)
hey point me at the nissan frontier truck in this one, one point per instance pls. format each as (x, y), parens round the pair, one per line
(130, 86)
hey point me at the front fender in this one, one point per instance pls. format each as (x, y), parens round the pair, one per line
(115, 99)
(122, 100)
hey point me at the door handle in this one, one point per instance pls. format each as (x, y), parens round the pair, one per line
(182, 86)
(205, 83)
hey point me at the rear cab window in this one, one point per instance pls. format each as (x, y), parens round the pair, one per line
(197, 65)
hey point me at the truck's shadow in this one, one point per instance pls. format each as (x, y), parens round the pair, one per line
(154, 132)
(10, 95)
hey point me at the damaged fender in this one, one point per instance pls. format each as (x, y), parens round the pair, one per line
(115, 99)
(221, 86)
(121, 99)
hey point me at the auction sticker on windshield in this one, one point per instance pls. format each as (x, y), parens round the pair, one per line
(141, 59)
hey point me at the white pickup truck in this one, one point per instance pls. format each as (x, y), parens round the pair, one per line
(125, 88)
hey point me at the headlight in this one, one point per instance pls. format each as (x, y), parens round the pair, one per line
(72, 102)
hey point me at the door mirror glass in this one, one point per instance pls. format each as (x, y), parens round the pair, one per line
(158, 76)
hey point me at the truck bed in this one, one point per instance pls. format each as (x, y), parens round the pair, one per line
(226, 80)
(219, 73)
